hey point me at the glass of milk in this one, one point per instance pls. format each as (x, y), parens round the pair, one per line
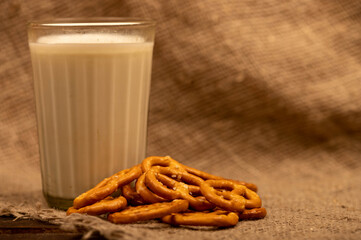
(91, 83)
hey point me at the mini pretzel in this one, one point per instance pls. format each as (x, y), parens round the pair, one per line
(157, 180)
(232, 200)
(147, 195)
(147, 212)
(207, 176)
(160, 161)
(106, 205)
(251, 214)
(132, 196)
(107, 187)
(217, 218)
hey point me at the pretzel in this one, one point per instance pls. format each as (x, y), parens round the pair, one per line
(207, 176)
(252, 199)
(217, 218)
(106, 205)
(251, 214)
(232, 200)
(132, 196)
(166, 161)
(147, 212)
(147, 195)
(157, 181)
(107, 187)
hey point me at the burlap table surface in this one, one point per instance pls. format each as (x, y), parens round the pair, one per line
(264, 91)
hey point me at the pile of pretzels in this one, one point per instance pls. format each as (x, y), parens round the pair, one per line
(162, 188)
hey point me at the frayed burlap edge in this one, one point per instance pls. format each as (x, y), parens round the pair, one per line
(73, 223)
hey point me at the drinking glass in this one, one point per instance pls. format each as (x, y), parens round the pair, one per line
(91, 83)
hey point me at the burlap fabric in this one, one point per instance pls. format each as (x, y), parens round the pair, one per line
(264, 91)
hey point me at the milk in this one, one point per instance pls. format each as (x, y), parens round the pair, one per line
(92, 96)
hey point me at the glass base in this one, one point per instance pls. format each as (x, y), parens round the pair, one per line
(59, 203)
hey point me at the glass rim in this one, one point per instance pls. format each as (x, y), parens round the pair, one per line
(92, 22)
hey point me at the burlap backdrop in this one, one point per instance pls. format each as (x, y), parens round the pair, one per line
(264, 91)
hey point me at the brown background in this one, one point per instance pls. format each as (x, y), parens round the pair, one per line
(264, 91)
